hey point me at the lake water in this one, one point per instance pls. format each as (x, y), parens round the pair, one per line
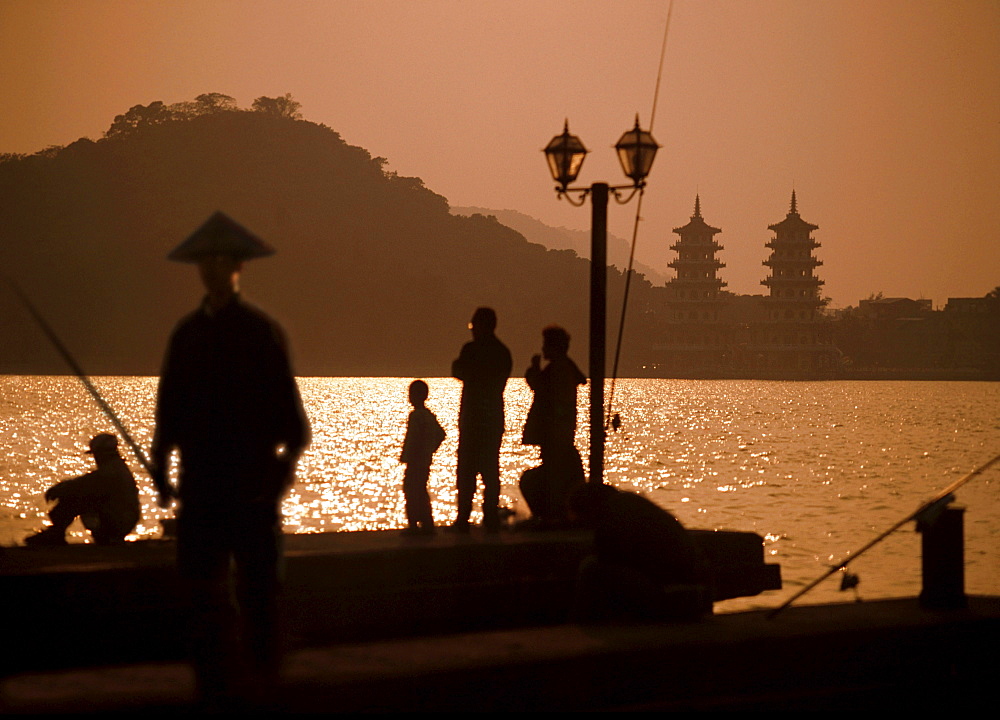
(817, 468)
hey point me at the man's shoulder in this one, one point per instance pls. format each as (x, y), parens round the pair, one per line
(239, 312)
(250, 313)
(192, 319)
(565, 370)
(503, 348)
(494, 346)
(497, 341)
(483, 348)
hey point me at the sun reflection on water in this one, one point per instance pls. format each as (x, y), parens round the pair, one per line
(816, 468)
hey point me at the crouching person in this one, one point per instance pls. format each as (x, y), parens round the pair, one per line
(644, 567)
(106, 500)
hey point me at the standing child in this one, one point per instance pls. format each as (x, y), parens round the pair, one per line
(423, 436)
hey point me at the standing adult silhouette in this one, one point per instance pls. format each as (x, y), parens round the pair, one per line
(483, 366)
(228, 402)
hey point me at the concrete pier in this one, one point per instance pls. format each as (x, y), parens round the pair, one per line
(377, 621)
(83, 604)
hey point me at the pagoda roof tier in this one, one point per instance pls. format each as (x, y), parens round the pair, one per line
(771, 280)
(793, 223)
(689, 282)
(695, 243)
(780, 242)
(799, 262)
(702, 262)
(697, 224)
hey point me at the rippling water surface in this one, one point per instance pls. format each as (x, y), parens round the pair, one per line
(817, 468)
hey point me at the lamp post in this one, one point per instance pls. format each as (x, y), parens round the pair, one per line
(565, 154)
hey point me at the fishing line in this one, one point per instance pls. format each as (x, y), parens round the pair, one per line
(139, 453)
(608, 420)
(940, 500)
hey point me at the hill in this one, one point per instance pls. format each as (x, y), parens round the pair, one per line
(565, 239)
(373, 276)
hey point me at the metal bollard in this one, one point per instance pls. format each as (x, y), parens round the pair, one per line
(942, 547)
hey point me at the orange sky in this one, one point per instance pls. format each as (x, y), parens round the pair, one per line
(883, 114)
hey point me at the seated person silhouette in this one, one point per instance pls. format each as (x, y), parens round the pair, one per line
(644, 567)
(106, 500)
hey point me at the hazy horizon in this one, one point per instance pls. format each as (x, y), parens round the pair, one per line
(883, 115)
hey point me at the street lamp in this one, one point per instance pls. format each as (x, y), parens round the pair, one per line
(636, 150)
(565, 154)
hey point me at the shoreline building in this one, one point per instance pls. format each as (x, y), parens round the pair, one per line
(709, 332)
(795, 337)
(696, 332)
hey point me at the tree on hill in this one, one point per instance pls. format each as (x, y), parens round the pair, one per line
(139, 116)
(283, 106)
(215, 102)
(157, 113)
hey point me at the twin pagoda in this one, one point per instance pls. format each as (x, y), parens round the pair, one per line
(709, 332)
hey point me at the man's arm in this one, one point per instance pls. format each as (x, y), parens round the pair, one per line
(163, 441)
(160, 470)
(534, 372)
(88, 484)
(460, 368)
(294, 429)
(508, 362)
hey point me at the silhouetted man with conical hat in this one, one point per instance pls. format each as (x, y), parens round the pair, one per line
(229, 404)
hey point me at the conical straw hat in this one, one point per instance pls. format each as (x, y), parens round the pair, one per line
(221, 235)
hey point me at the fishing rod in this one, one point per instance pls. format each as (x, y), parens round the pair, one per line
(139, 453)
(614, 421)
(944, 497)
